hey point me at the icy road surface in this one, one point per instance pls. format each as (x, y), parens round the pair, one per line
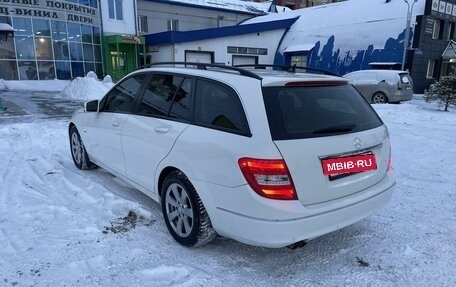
(60, 226)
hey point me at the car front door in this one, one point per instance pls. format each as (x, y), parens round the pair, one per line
(149, 134)
(103, 129)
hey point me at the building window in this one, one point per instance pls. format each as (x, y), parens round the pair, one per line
(142, 24)
(59, 30)
(61, 50)
(27, 70)
(63, 70)
(86, 32)
(43, 48)
(22, 26)
(74, 32)
(299, 61)
(173, 25)
(450, 31)
(76, 51)
(430, 69)
(436, 30)
(246, 50)
(41, 27)
(46, 70)
(115, 9)
(25, 48)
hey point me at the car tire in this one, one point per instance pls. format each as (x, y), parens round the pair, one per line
(78, 152)
(184, 213)
(379, 98)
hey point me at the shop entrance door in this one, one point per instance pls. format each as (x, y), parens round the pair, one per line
(118, 60)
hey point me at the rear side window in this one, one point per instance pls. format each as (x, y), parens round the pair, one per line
(182, 101)
(219, 107)
(309, 112)
(121, 98)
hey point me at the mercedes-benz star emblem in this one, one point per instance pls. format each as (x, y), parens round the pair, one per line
(357, 143)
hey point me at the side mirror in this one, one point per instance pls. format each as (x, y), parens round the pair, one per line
(92, 106)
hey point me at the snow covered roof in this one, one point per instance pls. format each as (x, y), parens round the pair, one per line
(347, 12)
(300, 47)
(6, 27)
(318, 23)
(450, 51)
(244, 7)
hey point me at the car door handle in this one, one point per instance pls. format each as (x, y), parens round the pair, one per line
(115, 123)
(161, 130)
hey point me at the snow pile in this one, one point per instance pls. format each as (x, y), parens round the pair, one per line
(3, 86)
(87, 88)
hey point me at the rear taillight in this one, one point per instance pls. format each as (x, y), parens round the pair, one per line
(399, 86)
(268, 177)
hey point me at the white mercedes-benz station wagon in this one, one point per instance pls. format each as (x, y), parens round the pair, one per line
(266, 157)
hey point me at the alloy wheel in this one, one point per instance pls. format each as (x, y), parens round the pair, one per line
(76, 148)
(179, 210)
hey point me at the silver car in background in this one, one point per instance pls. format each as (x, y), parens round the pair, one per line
(382, 86)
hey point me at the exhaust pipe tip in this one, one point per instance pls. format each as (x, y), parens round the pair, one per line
(297, 245)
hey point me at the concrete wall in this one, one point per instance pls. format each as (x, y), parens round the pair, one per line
(219, 46)
(189, 18)
(125, 27)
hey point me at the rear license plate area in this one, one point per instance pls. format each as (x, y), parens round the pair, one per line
(339, 167)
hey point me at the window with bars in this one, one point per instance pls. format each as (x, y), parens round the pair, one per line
(299, 61)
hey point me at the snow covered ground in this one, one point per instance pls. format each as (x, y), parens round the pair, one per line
(60, 226)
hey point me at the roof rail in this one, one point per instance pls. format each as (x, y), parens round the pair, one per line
(204, 66)
(290, 69)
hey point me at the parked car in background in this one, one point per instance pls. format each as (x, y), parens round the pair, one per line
(382, 86)
(265, 157)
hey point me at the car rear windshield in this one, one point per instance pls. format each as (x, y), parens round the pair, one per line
(317, 111)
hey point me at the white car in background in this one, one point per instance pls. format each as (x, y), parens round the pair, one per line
(265, 157)
(382, 86)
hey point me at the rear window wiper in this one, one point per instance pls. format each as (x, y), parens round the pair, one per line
(342, 128)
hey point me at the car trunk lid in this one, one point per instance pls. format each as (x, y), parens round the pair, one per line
(305, 159)
(326, 123)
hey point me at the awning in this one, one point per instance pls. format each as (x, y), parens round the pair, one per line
(6, 27)
(450, 51)
(299, 48)
(125, 39)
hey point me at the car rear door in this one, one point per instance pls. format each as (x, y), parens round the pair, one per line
(315, 126)
(161, 116)
(367, 84)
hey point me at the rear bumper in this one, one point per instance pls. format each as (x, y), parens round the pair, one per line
(290, 222)
(402, 95)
